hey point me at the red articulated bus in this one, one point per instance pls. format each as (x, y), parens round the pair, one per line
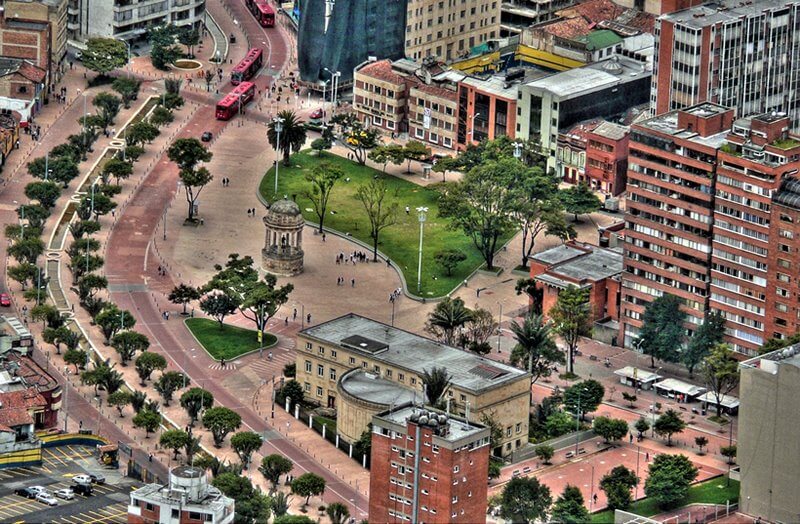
(248, 67)
(262, 12)
(235, 101)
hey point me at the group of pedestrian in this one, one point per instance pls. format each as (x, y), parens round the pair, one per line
(341, 281)
(162, 271)
(61, 96)
(226, 182)
(165, 315)
(394, 295)
(33, 130)
(251, 211)
(355, 256)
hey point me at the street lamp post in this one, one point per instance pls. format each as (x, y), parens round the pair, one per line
(472, 132)
(84, 126)
(422, 211)
(499, 326)
(335, 84)
(278, 128)
(653, 410)
(578, 421)
(517, 149)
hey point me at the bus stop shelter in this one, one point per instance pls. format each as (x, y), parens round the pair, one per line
(637, 378)
(679, 390)
(729, 404)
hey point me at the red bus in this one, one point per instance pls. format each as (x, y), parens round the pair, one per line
(262, 12)
(235, 101)
(248, 67)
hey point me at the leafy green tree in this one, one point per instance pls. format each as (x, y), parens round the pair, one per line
(26, 250)
(127, 343)
(729, 452)
(559, 423)
(579, 200)
(273, 466)
(720, 372)
(103, 55)
(384, 154)
(568, 508)
(337, 512)
(76, 357)
(61, 169)
(138, 401)
(524, 499)
(148, 362)
(82, 265)
(482, 202)
(617, 485)
(535, 351)
(168, 383)
(113, 320)
(218, 305)
(114, 167)
(119, 399)
(662, 329)
(196, 400)
(189, 37)
(161, 116)
(91, 122)
(128, 89)
(163, 51)
(449, 259)
(447, 319)
(194, 180)
(82, 228)
(174, 439)
(415, 150)
(710, 333)
(147, 420)
(572, 319)
(544, 452)
(89, 286)
(45, 193)
(294, 519)
(588, 393)
(537, 209)
(132, 153)
(67, 150)
(629, 398)
(380, 207)
(293, 134)
(642, 425)
(611, 429)
(48, 314)
(293, 391)
(23, 273)
(35, 215)
(669, 479)
(477, 331)
(108, 105)
(245, 443)
(435, 383)
(668, 424)
(251, 504)
(221, 421)
(322, 179)
(701, 442)
(290, 370)
(319, 145)
(354, 136)
(140, 133)
(308, 485)
(183, 294)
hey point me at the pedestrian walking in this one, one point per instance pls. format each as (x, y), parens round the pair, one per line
(407, 210)
(270, 354)
(353, 282)
(308, 318)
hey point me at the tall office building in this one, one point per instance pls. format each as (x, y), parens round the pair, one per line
(448, 29)
(739, 54)
(127, 19)
(704, 222)
(427, 467)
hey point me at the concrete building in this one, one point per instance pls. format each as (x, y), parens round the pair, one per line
(128, 20)
(517, 15)
(427, 466)
(188, 499)
(328, 351)
(448, 29)
(581, 265)
(55, 13)
(607, 158)
(487, 108)
(433, 113)
(602, 90)
(379, 96)
(736, 54)
(571, 152)
(768, 450)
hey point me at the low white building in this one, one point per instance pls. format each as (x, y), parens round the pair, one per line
(679, 390)
(637, 378)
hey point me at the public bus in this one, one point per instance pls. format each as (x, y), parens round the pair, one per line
(235, 101)
(248, 67)
(262, 11)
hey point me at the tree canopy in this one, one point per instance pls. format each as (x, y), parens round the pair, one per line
(103, 55)
(662, 329)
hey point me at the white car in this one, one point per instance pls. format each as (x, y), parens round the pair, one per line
(36, 489)
(82, 479)
(65, 493)
(46, 498)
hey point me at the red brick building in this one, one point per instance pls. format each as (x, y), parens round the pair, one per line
(584, 266)
(607, 157)
(487, 109)
(21, 376)
(28, 40)
(427, 467)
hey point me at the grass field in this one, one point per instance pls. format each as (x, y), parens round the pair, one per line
(228, 342)
(712, 491)
(400, 241)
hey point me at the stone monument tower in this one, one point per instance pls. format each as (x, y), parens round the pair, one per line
(283, 248)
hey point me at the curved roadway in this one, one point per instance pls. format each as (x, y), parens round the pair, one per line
(128, 273)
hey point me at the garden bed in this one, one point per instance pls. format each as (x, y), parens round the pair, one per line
(229, 342)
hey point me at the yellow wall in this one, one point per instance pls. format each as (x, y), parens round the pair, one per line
(489, 61)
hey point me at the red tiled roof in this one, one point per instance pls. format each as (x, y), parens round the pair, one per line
(436, 91)
(382, 70)
(593, 10)
(32, 73)
(30, 371)
(579, 130)
(26, 399)
(14, 417)
(569, 28)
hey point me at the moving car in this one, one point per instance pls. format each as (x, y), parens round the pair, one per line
(25, 492)
(82, 479)
(89, 478)
(46, 498)
(206, 137)
(65, 493)
(83, 489)
(5, 300)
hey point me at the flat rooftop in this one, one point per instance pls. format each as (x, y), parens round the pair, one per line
(592, 263)
(372, 388)
(721, 11)
(415, 353)
(667, 124)
(458, 428)
(770, 362)
(593, 77)
(611, 131)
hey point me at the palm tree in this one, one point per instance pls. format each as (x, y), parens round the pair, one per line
(535, 350)
(293, 134)
(447, 318)
(436, 383)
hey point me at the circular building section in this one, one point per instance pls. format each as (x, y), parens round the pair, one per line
(283, 246)
(362, 395)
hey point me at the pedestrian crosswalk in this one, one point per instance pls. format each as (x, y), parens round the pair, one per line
(227, 366)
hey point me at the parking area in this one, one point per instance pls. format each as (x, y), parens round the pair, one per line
(108, 503)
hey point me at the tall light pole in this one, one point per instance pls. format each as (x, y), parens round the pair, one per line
(278, 128)
(421, 213)
(84, 126)
(472, 133)
(578, 421)
(335, 84)
(324, 100)
(517, 148)
(653, 410)
(499, 326)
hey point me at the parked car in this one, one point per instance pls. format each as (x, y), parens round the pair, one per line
(82, 479)
(97, 478)
(206, 137)
(45, 497)
(5, 300)
(36, 489)
(83, 489)
(65, 493)
(25, 492)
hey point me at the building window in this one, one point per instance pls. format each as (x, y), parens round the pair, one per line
(786, 218)
(785, 248)
(308, 366)
(389, 124)
(519, 427)
(413, 381)
(463, 397)
(455, 500)
(783, 308)
(425, 492)
(352, 360)
(447, 142)
(784, 278)
(433, 138)
(785, 233)
(176, 513)
(320, 370)
(333, 353)
(781, 292)
(378, 121)
(401, 377)
(364, 364)
(319, 391)
(389, 373)
(321, 350)
(784, 263)
(332, 374)
(148, 506)
(307, 387)
(419, 132)
(508, 431)
(309, 346)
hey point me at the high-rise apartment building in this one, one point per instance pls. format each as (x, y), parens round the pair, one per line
(129, 19)
(428, 467)
(704, 221)
(741, 55)
(448, 29)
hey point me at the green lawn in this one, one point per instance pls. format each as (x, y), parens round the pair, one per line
(713, 491)
(228, 342)
(400, 241)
